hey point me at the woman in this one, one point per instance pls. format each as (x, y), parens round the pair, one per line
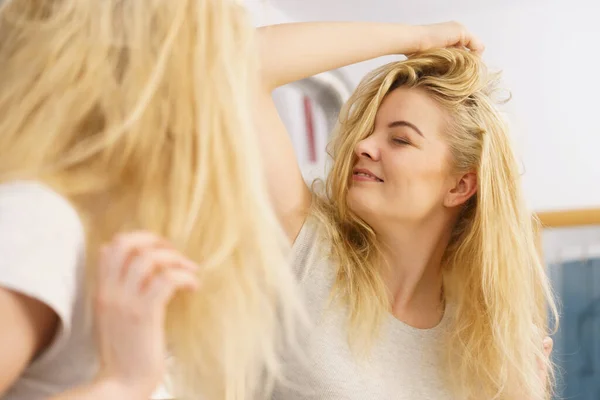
(418, 259)
(111, 130)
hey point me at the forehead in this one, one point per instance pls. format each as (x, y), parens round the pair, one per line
(413, 105)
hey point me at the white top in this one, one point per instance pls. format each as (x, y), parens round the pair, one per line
(404, 364)
(42, 255)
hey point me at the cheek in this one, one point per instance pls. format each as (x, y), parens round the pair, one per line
(418, 182)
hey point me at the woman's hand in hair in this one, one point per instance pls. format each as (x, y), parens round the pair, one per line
(294, 51)
(138, 274)
(448, 34)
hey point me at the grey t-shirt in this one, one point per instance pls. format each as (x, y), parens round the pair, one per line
(404, 363)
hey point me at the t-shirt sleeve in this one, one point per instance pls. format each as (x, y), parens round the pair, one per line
(41, 248)
(307, 249)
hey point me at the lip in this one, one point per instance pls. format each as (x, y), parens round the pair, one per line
(368, 175)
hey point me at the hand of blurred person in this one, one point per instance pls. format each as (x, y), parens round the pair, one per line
(138, 274)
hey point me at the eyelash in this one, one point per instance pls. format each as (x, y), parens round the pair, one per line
(400, 141)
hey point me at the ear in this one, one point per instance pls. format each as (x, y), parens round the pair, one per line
(464, 187)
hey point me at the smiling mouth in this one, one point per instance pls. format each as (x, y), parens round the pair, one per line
(360, 175)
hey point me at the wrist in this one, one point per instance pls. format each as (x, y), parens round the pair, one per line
(412, 38)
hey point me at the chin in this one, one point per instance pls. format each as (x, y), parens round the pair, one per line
(364, 205)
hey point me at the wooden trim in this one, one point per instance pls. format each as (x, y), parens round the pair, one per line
(562, 219)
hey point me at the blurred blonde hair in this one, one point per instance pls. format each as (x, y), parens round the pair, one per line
(493, 275)
(140, 113)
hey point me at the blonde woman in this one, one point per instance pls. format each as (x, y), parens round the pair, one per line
(418, 259)
(130, 185)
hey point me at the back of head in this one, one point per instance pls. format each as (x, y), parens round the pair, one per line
(493, 274)
(139, 112)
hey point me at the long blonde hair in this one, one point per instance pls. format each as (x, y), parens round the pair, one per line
(493, 274)
(140, 113)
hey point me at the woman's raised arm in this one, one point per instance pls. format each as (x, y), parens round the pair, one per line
(290, 52)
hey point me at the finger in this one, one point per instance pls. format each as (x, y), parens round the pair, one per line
(142, 238)
(548, 344)
(164, 285)
(474, 44)
(147, 263)
(477, 46)
(125, 246)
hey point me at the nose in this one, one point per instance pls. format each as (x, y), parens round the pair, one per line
(368, 148)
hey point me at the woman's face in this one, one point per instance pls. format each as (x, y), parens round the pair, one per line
(403, 172)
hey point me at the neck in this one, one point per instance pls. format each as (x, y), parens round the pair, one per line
(412, 270)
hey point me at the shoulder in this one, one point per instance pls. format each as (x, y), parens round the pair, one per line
(42, 243)
(39, 229)
(29, 201)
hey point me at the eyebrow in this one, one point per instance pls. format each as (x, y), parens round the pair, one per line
(404, 123)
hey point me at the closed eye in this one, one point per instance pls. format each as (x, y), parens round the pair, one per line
(400, 141)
